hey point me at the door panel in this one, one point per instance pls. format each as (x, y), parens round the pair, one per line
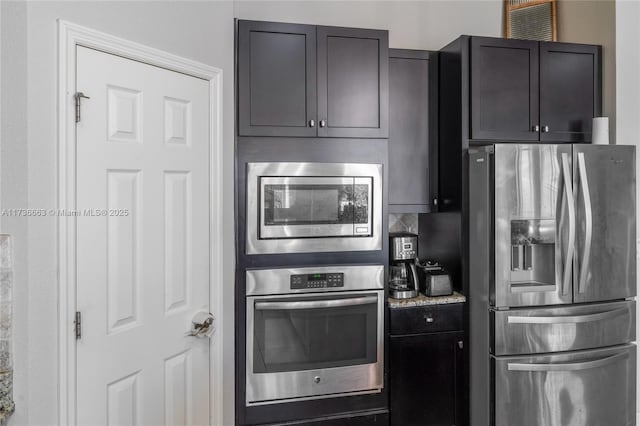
(426, 379)
(569, 91)
(605, 261)
(276, 79)
(504, 89)
(410, 122)
(526, 331)
(588, 388)
(353, 83)
(533, 202)
(143, 265)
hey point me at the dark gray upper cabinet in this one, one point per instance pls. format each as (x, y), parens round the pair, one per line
(570, 93)
(307, 81)
(524, 90)
(412, 124)
(495, 90)
(504, 89)
(276, 79)
(353, 82)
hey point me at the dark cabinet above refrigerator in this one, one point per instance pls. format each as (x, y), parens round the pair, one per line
(525, 90)
(308, 81)
(494, 90)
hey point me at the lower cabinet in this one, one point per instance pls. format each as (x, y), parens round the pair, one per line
(426, 380)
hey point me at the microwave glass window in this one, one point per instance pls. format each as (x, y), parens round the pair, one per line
(304, 339)
(297, 204)
(361, 203)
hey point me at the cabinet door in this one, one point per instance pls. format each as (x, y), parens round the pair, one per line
(353, 83)
(569, 91)
(276, 79)
(425, 379)
(412, 119)
(504, 89)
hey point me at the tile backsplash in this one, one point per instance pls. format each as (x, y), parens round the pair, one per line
(403, 222)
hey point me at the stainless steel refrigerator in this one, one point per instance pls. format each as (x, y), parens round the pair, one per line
(552, 276)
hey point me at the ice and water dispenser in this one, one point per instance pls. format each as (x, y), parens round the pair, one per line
(533, 244)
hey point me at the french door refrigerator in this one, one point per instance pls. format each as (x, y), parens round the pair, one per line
(552, 275)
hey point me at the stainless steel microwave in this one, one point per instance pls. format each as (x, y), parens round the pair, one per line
(313, 207)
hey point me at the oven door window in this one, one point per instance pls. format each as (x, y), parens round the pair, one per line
(300, 334)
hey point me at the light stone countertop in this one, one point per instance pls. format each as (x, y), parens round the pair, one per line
(423, 300)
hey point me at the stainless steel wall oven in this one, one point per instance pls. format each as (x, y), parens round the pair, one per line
(314, 333)
(313, 207)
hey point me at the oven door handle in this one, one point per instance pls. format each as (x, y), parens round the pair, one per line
(315, 304)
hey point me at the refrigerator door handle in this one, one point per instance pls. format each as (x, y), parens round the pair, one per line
(567, 177)
(567, 319)
(569, 366)
(588, 218)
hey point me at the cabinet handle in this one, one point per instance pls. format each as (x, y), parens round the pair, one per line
(312, 123)
(460, 344)
(323, 123)
(545, 129)
(536, 128)
(428, 319)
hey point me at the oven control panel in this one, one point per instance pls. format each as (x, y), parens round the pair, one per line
(326, 280)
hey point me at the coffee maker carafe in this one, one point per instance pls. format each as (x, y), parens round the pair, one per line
(403, 273)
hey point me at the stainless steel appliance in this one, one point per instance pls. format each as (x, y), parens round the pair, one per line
(552, 270)
(404, 282)
(313, 207)
(314, 333)
(437, 282)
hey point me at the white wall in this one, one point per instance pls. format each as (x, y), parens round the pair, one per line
(628, 94)
(427, 25)
(198, 30)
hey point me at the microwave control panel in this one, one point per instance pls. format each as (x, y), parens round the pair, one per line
(303, 281)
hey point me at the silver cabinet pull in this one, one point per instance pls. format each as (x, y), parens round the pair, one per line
(588, 219)
(566, 176)
(566, 319)
(312, 123)
(545, 129)
(323, 123)
(428, 319)
(535, 128)
(569, 366)
(314, 304)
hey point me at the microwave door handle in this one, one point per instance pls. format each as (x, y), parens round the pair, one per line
(569, 366)
(567, 177)
(315, 304)
(588, 219)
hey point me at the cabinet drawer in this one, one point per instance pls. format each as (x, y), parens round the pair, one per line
(425, 319)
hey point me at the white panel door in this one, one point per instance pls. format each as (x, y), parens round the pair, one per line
(142, 243)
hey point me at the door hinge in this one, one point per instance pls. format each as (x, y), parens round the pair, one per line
(78, 325)
(78, 96)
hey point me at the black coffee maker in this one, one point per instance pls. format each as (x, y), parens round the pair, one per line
(403, 271)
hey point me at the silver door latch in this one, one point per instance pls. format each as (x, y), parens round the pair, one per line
(78, 96)
(202, 325)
